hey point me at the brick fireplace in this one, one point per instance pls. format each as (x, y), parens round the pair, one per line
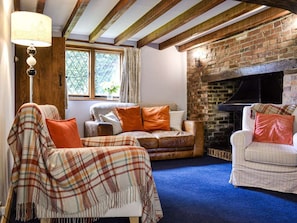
(269, 48)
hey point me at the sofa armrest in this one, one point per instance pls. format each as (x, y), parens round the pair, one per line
(95, 128)
(197, 129)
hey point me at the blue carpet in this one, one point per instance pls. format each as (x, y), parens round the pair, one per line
(197, 190)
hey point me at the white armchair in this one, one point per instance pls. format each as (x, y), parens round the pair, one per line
(268, 166)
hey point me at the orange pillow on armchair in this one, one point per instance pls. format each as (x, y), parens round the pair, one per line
(64, 133)
(274, 128)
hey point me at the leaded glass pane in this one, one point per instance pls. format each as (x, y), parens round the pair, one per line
(77, 72)
(107, 73)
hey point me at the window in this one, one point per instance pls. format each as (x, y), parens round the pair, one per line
(93, 73)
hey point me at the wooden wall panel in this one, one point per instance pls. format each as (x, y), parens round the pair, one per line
(49, 82)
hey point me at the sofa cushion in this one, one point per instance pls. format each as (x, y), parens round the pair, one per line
(145, 139)
(176, 120)
(270, 153)
(105, 107)
(155, 118)
(114, 121)
(274, 128)
(174, 138)
(130, 118)
(172, 106)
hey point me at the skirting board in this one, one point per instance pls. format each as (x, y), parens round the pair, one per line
(219, 153)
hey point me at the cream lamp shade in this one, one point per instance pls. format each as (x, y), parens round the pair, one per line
(33, 30)
(30, 28)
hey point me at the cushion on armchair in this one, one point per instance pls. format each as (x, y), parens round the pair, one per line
(274, 128)
(64, 133)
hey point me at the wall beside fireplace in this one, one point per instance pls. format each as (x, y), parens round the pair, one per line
(248, 53)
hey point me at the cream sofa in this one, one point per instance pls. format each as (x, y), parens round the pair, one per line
(268, 166)
(176, 143)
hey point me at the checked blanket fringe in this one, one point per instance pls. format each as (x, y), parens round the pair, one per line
(79, 183)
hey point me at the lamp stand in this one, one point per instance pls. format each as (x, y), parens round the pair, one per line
(31, 61)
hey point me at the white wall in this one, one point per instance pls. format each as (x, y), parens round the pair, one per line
(164, 76)
(6, 94)
(163, 79)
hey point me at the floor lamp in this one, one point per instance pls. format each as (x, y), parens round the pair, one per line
(33, 30)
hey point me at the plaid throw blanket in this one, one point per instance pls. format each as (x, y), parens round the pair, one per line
(272, 109)
(80, 182)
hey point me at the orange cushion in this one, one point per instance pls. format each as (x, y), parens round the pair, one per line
(274, 128)
(64, 133)
(156, 118)
(130, 118)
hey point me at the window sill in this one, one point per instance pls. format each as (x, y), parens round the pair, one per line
(116, 99)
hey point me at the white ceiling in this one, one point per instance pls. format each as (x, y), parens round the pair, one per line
(96, 10)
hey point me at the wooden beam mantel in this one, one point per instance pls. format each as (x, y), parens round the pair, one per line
(276, 66)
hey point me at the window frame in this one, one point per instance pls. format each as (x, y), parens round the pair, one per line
(91, 76)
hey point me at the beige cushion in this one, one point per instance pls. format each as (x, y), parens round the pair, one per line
(113, 119)
(176, 120)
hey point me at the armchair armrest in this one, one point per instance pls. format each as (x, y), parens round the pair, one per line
(241, 138)
(295, 139)
(95, 128)
(197, 129)
(239, 141)
(110, 141)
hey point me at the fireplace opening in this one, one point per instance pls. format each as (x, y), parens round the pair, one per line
(235, 94)
(262, 88)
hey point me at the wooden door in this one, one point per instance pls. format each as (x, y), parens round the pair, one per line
(49, 82)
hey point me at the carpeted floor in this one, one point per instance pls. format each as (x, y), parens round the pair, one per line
(197, 191)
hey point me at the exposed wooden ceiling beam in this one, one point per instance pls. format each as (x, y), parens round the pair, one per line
(112, 16)
(253, 21)
(78, 10)
(17, 5)
(209, 24)
(290, 5)
(40, 6)
(180, 20)
(145, 20)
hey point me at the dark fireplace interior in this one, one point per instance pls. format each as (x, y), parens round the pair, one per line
(261, 88)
